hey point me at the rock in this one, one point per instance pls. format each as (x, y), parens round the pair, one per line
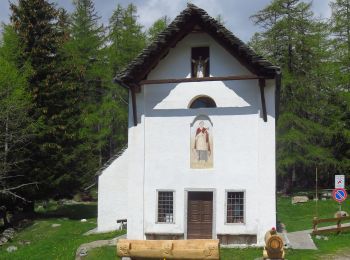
(11, 249)
(83, 220)
(318, 237)
(9, 233)
(323, 199)
(24, 242)
(299, 199)
(55, 225)
(325, 238)
(3, 241)
(341, 214)
(83, 251)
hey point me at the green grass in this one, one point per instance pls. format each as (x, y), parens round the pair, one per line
(225, 254)
(107, 252)
(61, 242)
(299, 216)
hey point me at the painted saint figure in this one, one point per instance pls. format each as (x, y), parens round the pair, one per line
(200, 67)
(201, 144)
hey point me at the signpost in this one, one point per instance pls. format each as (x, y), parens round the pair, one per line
(339, 181)
(339, 195)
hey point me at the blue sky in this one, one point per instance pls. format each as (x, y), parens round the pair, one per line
(236, 13)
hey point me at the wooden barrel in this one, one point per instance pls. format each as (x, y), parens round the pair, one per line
(273, 245)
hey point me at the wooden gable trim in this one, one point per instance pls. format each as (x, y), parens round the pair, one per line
(262, 84)
(197, 20)
(133, 104)
(165, 50)
(182, 80)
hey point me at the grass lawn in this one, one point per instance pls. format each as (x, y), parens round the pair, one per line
(47, 242)
(299, 216)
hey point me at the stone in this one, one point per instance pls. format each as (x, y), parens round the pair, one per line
(55, 225)
(9, 233)
(83, 251)
(11, 249)
(318, 237)
(24, 242)
(83, 220)
(324, 199)
(341, 213)
(299, 199)
(325, 238)
(3, 241)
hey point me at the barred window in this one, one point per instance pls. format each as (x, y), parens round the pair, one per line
(235, 207)
(165, 207)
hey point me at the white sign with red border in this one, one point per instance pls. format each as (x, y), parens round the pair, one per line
(339, 181)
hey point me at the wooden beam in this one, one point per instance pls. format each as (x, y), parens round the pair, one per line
(262, 84)
(133, 103)
(165, 81)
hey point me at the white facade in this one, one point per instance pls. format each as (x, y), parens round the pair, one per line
(158, 155)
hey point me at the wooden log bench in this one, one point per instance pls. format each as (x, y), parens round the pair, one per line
(339, 228)
(169, 249)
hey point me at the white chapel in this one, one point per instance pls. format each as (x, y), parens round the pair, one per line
(200, 161)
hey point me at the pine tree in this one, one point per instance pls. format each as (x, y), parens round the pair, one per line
(340, 28)
(16, 129)
(157, 27)
(126, 40)
(89, 66)
(39, 27)
(294, 39)
(125, 35)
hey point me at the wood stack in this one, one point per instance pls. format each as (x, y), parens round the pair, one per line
(169, 249)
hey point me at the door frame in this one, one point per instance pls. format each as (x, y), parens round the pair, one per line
(187, 190)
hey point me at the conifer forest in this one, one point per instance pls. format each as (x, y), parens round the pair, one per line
(62, 116)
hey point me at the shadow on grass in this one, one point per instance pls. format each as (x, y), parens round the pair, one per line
(78, 211)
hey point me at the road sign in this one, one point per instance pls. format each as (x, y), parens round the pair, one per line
(339, 181)
(339, 195)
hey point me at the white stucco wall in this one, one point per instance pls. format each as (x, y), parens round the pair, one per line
(112, 194)
(244, 145)
(158, 155)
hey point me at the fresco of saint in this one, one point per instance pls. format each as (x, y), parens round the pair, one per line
(201, 144)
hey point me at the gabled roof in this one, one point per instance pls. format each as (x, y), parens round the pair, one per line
(182, 25)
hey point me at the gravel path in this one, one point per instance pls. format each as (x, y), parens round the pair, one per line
(84, 248)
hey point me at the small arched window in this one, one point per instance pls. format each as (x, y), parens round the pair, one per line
(202, 102)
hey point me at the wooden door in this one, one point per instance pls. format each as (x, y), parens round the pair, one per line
(200, 215)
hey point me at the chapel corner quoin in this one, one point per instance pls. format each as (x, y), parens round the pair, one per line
(200, 161)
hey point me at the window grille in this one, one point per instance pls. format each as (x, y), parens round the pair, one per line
(165, 207)
(235, 207)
